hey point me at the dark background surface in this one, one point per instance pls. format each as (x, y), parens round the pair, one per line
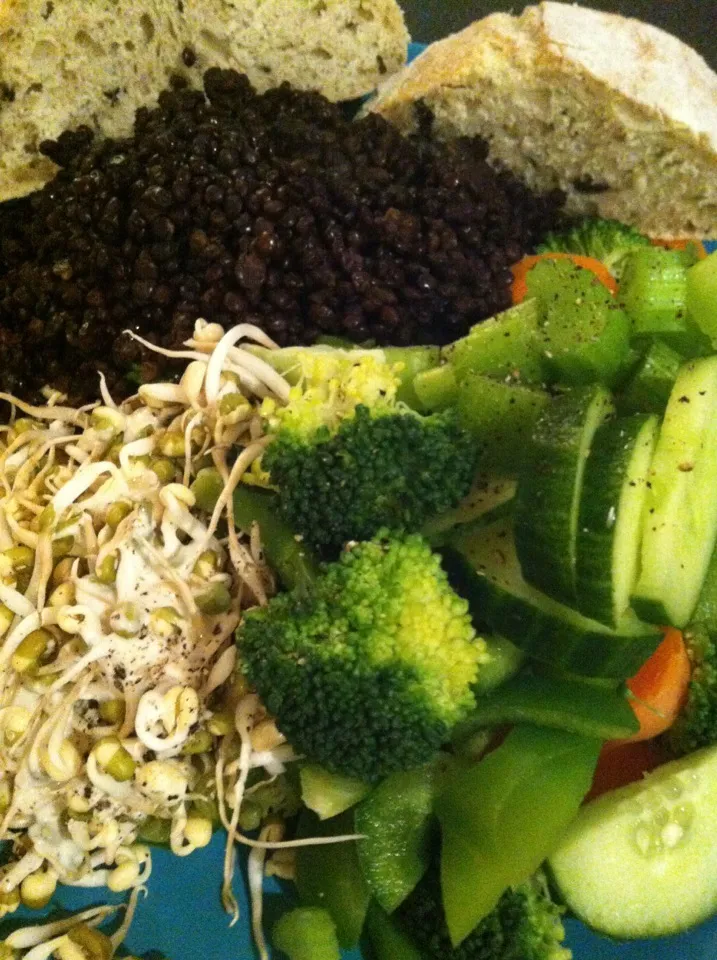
(693, 20)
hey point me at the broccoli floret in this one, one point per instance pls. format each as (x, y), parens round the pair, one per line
(696, 726)
(349, 459)
(608, 241)
(525, 925)
(368, 671)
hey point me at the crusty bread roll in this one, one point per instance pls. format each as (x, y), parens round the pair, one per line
(343, 48)
(69, 62)
(618, 114)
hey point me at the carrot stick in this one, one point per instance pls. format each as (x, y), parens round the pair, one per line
(660, 687)
(700, 248)
(522, 269)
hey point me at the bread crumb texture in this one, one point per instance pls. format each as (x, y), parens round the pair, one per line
(619, 114)
(64, 63)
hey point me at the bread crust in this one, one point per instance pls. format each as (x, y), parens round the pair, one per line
(635, 77)
(95, 62)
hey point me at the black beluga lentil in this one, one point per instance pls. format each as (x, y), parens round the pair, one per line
(275, 209)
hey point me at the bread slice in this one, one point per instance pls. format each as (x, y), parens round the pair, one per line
(343, 48)
(617, 113)
(69, 62)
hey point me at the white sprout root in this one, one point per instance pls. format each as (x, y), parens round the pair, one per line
(115, 671)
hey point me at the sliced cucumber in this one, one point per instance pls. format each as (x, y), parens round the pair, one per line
(489, 493)
(505, 347)
(611, 513)
(549, 488)
(501, 417)
(649, 388)
(642, 861)
(680, 521)
(501, 601)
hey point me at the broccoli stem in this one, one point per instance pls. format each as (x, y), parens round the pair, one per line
(292, 561)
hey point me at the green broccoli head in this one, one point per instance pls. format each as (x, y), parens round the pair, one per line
(349, 458)
(606, 240)
(391, 470)
(369, 670)
(525, 925)
(696, 726)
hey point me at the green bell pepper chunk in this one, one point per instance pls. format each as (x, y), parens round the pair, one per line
(329, 876)
(388, 941)
(395, 821)
(502, 816)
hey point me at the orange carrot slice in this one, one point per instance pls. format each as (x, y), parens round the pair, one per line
(660, 687)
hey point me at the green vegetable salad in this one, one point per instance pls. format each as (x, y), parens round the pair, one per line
(436, 629)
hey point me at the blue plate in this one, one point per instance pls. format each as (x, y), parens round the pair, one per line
(182, 918)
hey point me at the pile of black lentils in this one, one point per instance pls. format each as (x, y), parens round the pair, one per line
(273, 209)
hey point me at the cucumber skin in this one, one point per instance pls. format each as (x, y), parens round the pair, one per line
(500, 417)
(650, 386)
(614, 446)
(548, 491)
(611, 887)
(680, 526)
(538, 625)
(583, 647)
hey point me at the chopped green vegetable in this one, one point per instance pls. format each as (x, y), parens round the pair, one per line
(387, 940)
(524, 925)
(702, 296)
(285, 552)
(307, 933)
(329, 794)
(502, 816)
(395, 821)
(329, 875)
(500, 417)
(368, 672)
(572, 705)
(505, 347)
(650, 385)
(696, 725)
(584, 333)
(608, 241)
(349, 458)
